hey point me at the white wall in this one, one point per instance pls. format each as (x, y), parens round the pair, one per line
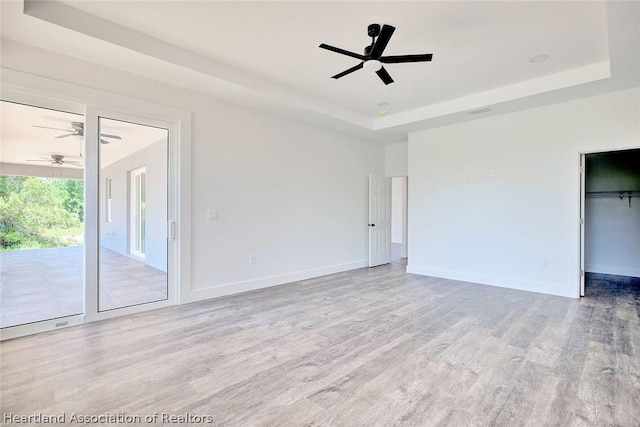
(293, 195)
(114, 235)
(397, 196)
(396, 159)
(496, 200)
(612, 225)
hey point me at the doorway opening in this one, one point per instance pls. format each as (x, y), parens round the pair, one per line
(611, 243)
(399, 218)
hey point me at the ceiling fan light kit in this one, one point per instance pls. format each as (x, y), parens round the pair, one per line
(373, 65)
(372, 58)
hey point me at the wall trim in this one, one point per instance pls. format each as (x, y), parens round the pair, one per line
(269, 281)
(501, 282)
(616, 270)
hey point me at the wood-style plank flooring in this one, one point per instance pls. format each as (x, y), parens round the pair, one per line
(370, 347)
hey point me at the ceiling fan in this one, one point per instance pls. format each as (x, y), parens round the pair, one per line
(77, 129)
(372, 58)
(57, 160)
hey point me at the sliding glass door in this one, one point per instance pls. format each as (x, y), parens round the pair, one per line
(133, 253)
(85, 206)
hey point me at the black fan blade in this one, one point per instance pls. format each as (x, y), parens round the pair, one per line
(384, 76)
(381, 42)
(342, 51)
(406, 58)
(349, 71)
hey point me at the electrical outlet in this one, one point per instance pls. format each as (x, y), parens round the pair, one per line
(252, 259)
(212, 215)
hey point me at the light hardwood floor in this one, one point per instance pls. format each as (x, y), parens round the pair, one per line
(370, 347)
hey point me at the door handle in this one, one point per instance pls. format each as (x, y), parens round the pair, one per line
(372, 225)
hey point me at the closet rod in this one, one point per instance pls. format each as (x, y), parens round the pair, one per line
(620, 194)
(611, 194)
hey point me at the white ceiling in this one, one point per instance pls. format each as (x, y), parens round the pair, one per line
(24, 142)
(266, 54)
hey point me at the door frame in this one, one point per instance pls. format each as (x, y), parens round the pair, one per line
(40, 91)
(581, 221)
(92, 188)
(404, 213)
(582, 215)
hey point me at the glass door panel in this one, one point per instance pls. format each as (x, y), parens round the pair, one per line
(133, 196)
(41, 215)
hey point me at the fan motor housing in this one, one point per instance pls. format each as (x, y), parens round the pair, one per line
(373, 30)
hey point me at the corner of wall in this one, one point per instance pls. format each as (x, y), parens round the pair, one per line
(396, 159)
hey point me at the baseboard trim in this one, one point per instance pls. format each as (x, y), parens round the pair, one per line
(501, 282)
(269, 281)
(613, 270)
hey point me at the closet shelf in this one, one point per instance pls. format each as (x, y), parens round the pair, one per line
(614, 193)
(610, 194)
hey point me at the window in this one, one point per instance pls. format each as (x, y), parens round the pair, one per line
(108, 199)
(138, 212)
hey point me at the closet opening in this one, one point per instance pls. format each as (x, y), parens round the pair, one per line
(611, 225)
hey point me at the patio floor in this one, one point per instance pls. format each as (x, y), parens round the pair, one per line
(43, 284)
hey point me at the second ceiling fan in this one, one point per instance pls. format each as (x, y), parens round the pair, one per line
(77, 129)
(372, 56)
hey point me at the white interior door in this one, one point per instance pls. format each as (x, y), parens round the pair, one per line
(379, 220)
(583, 189)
